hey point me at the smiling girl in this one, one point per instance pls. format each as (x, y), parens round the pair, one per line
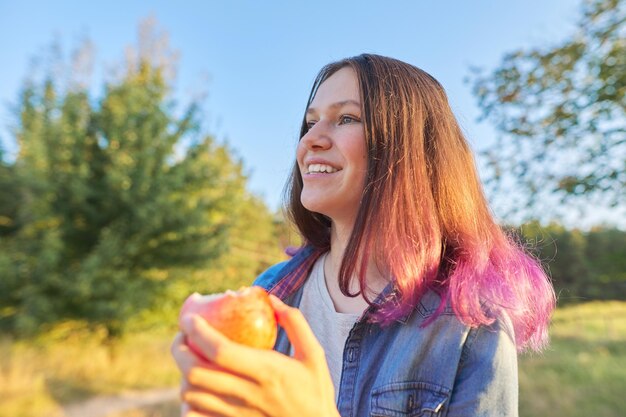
(407, 298)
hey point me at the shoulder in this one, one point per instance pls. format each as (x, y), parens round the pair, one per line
(485, 378)
(430, 310)
(268, 278)
(486, 383)
(297, 266)
(486, 351)
(491, 343)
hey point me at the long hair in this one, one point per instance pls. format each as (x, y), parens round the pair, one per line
(423, 215)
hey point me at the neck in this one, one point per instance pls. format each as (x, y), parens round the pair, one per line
(339, 237)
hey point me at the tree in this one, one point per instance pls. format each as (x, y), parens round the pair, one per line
(115, 196)
(562, 253)
(584, 265)
(9, 196)
(561, 112)
(606, 251)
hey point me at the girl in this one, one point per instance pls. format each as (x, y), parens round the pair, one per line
(407, 299)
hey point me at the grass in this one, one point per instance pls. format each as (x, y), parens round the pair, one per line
(70, 364)
(582, 373)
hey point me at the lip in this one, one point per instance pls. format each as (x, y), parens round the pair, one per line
(318, 175)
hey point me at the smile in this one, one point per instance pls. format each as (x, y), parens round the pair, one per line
(320, 168)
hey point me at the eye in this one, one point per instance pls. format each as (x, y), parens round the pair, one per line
(347, 119)
(310, 124)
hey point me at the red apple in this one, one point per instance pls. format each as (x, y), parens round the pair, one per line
(244, 316)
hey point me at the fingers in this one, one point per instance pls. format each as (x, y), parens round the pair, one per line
(195, 328)
(222, 383)
(306, 346)
(209, 388)
(187, 411)
(213, 382)
(202, 404)
(218, 393)
(221, 351)
(183, 357)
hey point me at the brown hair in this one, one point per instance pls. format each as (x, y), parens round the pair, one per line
(423, 214)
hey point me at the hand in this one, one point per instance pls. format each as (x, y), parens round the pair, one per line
(241, 381)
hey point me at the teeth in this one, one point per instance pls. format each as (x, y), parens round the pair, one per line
(321, 168)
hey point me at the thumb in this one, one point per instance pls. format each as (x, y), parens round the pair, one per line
(306, 346)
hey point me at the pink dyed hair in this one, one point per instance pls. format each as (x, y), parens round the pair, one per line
(423, 214)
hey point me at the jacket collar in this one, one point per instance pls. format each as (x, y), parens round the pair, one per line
(293, 276)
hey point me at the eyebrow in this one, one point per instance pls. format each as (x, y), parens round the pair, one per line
(336, 105)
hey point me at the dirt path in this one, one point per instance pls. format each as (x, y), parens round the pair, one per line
(104, 406)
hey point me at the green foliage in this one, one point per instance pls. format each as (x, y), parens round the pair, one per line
(561, 110)
(584, 266)
(9, 198)
(112, 198)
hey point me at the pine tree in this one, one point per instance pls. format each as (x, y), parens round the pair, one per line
(115, 196)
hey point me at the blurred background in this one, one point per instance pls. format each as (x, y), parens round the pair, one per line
(144, 148)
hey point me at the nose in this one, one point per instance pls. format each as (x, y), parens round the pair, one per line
(317, 138)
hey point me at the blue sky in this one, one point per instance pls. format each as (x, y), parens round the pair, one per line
(258, 59)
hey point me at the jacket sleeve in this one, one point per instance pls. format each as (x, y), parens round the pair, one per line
(486, 384)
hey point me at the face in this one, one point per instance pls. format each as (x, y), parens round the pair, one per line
(332, 155)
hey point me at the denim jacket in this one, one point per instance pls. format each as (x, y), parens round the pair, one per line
(405, 369)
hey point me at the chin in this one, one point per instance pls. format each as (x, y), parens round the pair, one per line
(315, 206)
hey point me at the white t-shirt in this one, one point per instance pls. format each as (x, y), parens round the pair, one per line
(330, 327)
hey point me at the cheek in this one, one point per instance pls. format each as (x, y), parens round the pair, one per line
(358, 154)
(300, 153)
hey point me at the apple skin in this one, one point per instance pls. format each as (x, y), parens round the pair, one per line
(244, 316)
